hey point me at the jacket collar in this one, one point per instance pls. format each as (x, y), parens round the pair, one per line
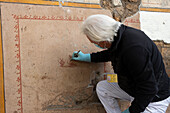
(117, 38)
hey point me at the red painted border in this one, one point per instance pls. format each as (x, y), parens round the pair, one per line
(131, 20)
(17, 18)
(35, 17)
(18, 66)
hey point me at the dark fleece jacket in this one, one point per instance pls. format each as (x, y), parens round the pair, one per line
(139, 65)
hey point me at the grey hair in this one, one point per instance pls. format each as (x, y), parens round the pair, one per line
(100, 28)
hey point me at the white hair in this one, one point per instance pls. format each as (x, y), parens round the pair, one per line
(100, 28)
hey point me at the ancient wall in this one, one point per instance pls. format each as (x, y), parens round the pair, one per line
(164, 48)
(156, 3)
(38, 41)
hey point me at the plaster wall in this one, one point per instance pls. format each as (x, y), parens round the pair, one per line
(38, 42)
(39, 77)
(156, 25)
(156, 3)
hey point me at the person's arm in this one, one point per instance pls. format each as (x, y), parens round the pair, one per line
(138, 62)
(102, 56)
(80, 56)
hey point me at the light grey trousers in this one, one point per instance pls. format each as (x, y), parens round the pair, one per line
(109, 92)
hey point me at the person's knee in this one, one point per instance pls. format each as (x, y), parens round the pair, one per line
(100, 86)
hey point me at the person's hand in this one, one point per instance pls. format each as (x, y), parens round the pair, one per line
(81, 56)
(126, 111)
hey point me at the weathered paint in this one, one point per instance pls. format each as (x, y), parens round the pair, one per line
(156, 25)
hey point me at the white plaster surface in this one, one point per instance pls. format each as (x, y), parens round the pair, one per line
(156, 25)
(156, 3)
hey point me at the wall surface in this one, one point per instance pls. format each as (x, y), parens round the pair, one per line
(38, 41)
(39, 77)
(156, 25)
(156, 3)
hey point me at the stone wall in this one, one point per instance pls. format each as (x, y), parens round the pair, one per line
(164, 48)
(121, 9)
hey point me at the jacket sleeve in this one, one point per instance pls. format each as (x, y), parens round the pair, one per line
(102, 56)
(140, 69)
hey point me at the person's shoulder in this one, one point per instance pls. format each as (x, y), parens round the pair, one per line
(132, 29)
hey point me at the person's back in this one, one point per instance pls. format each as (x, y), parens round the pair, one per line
(132, 38)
